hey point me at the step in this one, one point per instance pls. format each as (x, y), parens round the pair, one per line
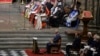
(24, 35)
(23, 47)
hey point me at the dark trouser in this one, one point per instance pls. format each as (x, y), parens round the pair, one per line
(89, 53)
(48, 47)
(68, 48)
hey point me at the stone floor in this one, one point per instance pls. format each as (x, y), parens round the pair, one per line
(9, 52)
(11, 17)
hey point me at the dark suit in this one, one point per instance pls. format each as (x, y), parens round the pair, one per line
(76, 43)
(98, 49)
(54, 22)
(90, 40)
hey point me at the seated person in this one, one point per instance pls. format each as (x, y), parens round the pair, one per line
(32, 7)
(90, 38)
(41, 17)
(98, 48)
(77, 42)
(54, 17)
(56, 42)
(72, 19)
(75, 45)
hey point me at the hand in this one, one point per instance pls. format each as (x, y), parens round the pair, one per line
(54, 16)
(65, 15)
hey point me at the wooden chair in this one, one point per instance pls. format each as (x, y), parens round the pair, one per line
(55, 47)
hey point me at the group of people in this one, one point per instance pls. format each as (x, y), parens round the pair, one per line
(52, 13)
(91, 47)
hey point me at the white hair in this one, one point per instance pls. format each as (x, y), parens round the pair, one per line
(89, 33)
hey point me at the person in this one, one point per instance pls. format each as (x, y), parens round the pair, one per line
(49, 4)
(98, 48)
(60, 3)
(90, 38)
(28, 9)
(40, 17)
(54, 17)
(94, 43)
(77, 42)
(72, 17)
(72, 20)
(55, 41)
(35, 9)
(75, 45)
(66, 12)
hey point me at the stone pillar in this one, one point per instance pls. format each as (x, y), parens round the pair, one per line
(98, 13)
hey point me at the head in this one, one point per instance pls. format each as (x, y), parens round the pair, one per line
(56, 31)
(78, 4)
(67, 9)
(89, 34)
(43, 1)
(76, 34)
(43, 8)
(37, 2)
(96, 37)
(47, 0)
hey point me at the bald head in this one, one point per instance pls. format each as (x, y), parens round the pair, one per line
(56, 31)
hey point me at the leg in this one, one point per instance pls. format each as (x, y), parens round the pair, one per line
(48, 47)
(68, 47)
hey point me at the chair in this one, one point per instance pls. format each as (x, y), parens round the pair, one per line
(55, 47)
(55, 44)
